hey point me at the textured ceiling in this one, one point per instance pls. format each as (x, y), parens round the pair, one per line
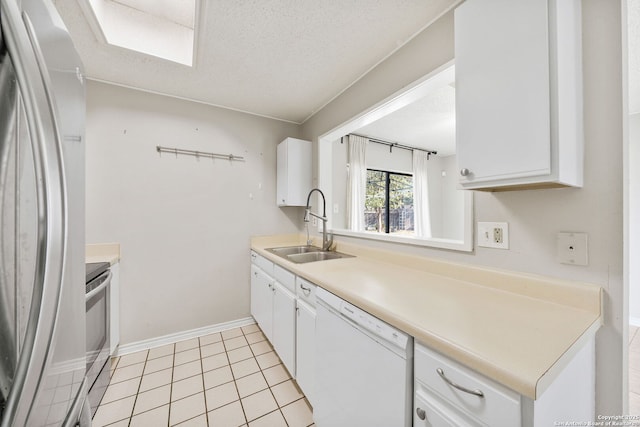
(276, 58)
(428, 123)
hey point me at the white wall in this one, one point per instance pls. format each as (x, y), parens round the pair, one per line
(536, 216)
(183, 224)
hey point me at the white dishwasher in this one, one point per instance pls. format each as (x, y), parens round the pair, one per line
(363, 368)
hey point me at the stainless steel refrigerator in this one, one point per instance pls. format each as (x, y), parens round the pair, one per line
(42, 284)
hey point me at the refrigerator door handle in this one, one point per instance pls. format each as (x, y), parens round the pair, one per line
(51, 212)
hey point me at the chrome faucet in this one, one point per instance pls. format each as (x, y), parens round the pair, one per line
(327, 241)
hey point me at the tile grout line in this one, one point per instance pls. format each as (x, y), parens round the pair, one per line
(171, 384)
(233, 375)
(135, 400)
(204, 387)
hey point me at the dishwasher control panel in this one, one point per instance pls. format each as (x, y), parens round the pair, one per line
(364, 319)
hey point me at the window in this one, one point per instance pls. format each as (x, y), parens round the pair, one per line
(388, 206)
(165, 29)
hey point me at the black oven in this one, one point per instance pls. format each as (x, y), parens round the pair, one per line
(98, 293)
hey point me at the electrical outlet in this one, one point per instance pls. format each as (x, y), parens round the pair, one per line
(498, 236)
(493, 235)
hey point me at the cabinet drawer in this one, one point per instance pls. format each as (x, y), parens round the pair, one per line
(428, 411)
(306, 291)
(498, 406)
(262, 262)
(285, 278)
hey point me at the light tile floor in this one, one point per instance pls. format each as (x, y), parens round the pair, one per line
(227, 379)
(634, 370)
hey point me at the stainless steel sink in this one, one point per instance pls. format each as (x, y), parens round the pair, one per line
(316, 256)
(290, 250)
(303, 254)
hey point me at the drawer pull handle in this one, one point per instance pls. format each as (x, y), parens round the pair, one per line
(476, 392)
(421, 413)
(307, 291)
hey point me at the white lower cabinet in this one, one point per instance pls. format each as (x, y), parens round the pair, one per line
(429, 412)
(284, 326)
(273, 306)
(476, 400)
(305, 337)
(283, 305)
(262, 300)
(448, 394)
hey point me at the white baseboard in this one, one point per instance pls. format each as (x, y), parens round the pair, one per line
(635, 321)
(181, 336)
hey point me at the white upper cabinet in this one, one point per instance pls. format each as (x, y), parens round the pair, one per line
(293, 172)
(519, 94)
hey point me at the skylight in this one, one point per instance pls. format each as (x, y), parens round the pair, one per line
(162, 28)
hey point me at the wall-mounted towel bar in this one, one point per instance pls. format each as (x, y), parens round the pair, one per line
(199, 154)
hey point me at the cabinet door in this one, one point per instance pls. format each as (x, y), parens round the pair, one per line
(305, 348)
(428, 412)
(262, 300)
(284, 326)
(502, 90)
(293, 172)
(282, 175)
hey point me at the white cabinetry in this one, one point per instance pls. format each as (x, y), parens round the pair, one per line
(519, 93)
(273, 305)
(305, 336)
(447, 394)
(262, 300)
(293, 172)
(284, 317)
(483, 400)
(283, 305)
(432, 413)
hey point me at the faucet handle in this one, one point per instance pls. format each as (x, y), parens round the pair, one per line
(329, 246)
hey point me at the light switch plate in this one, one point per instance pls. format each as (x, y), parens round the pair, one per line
(493, 235)
(572, 248)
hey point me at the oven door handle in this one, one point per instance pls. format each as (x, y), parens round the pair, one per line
(99, 289)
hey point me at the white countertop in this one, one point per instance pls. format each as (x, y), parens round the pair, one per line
(517, 329)
(102, 252)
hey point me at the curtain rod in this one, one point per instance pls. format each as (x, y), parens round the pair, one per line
(395, 144)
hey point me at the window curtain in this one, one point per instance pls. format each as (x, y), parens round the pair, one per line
(421, 215)
(357, 182)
